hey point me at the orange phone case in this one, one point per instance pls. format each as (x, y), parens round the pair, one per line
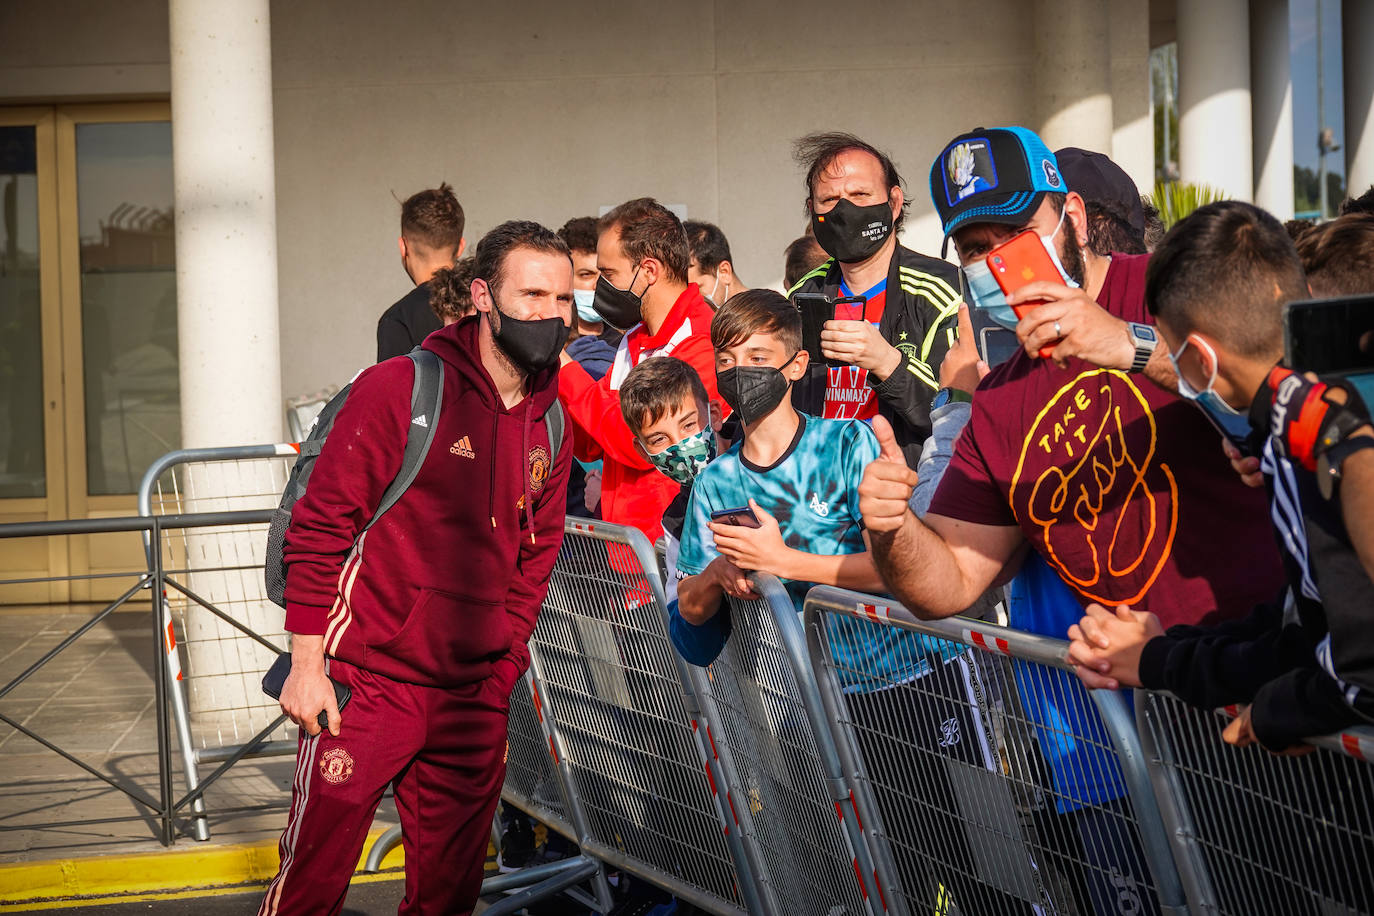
(1020, 260)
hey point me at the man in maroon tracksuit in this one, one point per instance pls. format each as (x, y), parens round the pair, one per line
(426, 615)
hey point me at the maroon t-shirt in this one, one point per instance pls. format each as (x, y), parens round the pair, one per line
(1121, 485)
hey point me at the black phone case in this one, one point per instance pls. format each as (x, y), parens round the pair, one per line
(275, 679)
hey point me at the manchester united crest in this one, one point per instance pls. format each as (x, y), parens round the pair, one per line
(336, 765)
(539, 467)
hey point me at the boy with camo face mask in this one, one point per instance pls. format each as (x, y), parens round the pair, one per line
(666, 407)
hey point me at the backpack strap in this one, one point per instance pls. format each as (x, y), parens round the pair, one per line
(553, 422)
(426, 396)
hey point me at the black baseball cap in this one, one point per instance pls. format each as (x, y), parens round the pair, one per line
(1097, 178)
(992, 175)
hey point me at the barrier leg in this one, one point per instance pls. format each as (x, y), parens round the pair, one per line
(200, 825)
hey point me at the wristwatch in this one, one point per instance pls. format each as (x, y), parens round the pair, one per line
(945, 395)
(1329, 463)
(1145, 340)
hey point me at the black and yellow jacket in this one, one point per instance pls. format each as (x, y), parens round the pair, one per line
(920, 320)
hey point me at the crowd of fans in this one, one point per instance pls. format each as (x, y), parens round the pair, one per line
(1141, 472)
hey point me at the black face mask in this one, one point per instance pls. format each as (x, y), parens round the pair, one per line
(753, 391)
(532, 345)
(850, 233)
(619, 307)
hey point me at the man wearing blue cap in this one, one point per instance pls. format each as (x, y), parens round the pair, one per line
(1088, 455)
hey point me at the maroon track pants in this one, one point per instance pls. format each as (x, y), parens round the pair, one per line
(443, 749)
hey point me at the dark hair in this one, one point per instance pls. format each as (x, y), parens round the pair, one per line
(1154, 226)
(708, 244)
(1339, 256)
(1226, 271)
(756, 311)
(496, 245)
(800, 258)
(1110, 229)
(656, 387)
(433, 219)
(579, 233)
(818, 151)
(1362, 204)
(1297, 228)
(450, 290)
(647, 229)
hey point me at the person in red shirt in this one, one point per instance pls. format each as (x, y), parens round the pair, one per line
(1087, 456)
(642, 256)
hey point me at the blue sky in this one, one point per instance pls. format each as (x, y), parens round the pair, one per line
(1302, 17)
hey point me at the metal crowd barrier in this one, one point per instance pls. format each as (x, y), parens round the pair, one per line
(1259, 833)
(164, 807)
(624, 732)
(219, 710)
(992, 781)
(763, 700)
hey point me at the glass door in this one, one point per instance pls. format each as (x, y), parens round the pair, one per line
(88, 337)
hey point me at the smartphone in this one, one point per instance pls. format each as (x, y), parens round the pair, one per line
(816, 309)
(1333, 337)
(275, 679)
(851, 308)
(1020, 260)
(996, 345)
(744, 517)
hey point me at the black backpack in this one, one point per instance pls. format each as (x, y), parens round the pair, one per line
(426, 397)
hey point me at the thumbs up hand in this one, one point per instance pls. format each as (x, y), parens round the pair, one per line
(887, 483)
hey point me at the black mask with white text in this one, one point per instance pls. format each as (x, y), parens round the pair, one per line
(850, 233)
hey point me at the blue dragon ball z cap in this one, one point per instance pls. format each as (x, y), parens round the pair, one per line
(992, 175)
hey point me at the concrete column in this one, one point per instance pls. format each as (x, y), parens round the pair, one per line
(1357, 47)
(1133, 130)
(226, 222)
(1214, 145)
(226, 243)
(1073, 88)
(1271, 106)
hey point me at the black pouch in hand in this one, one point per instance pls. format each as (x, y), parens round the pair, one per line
(275, 679)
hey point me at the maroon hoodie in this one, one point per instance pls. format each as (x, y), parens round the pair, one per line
(445, 588)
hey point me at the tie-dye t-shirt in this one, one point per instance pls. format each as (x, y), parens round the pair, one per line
(812, 490)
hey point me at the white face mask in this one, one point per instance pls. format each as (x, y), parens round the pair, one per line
(984, 293)
(715, 289)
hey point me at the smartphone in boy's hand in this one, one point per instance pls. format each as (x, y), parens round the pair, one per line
(744, 517)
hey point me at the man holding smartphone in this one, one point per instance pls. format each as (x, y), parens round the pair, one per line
(886, 344)
(1104, 472)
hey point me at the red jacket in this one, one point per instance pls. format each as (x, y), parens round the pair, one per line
(632, 492)
(445, 588)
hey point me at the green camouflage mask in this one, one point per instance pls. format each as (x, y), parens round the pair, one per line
(682, 461)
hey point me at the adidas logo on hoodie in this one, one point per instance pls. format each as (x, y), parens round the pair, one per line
(462, 448)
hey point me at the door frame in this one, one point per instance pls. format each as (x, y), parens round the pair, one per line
(54, 504)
